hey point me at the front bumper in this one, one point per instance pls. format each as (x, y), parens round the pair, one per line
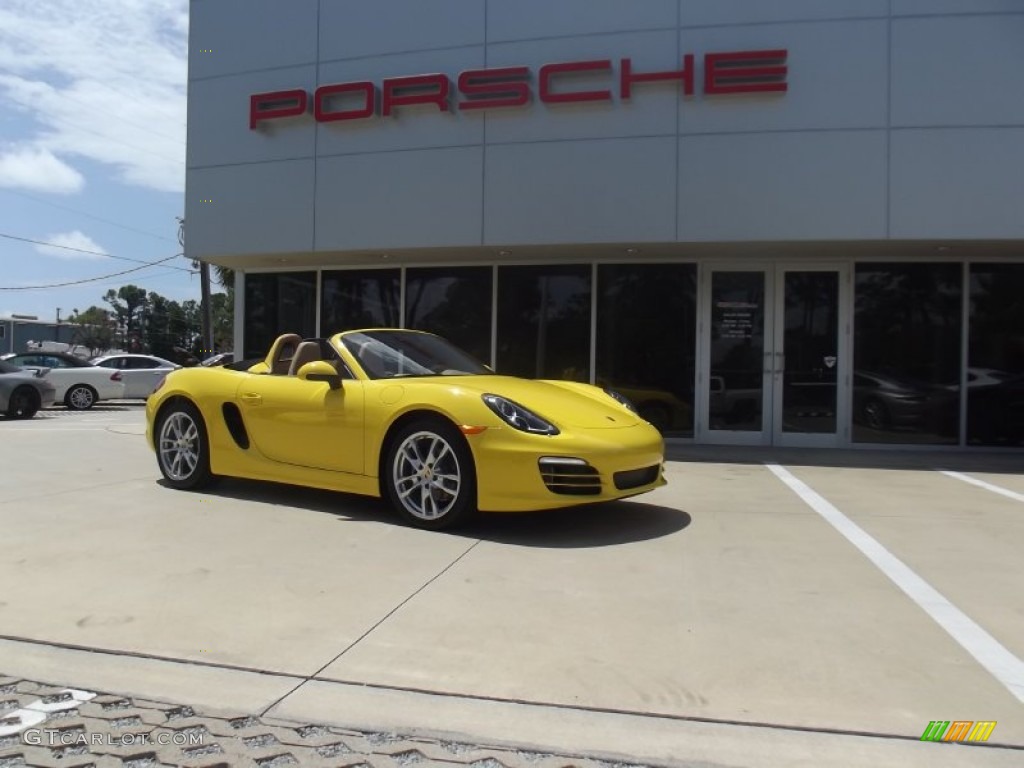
(608, 462)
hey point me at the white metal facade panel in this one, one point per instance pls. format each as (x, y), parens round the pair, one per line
(606, 191)
(713, 12)
(817, 185)
(531, 19)
(830, 159)
(218, 131)
(837, 78)
(231, 36)
(652, 110)
(941, 7)
(416, 127)
(958, 70)
(354, 28)
(255, 208)
(958, 183)
(422, 198)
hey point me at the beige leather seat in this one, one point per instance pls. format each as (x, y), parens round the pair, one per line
(308, 352)
(279, 358)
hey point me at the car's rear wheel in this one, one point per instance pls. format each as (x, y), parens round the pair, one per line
(430, 479)
(80, 397)
(182, 447)
(23, 403)
(875, 414)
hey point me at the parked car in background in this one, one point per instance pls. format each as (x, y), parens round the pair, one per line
(140, 373)
(24, 392)
(79, 384)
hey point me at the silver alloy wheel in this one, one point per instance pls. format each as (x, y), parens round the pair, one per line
(179, 446)
(426, 475)
(81, 398)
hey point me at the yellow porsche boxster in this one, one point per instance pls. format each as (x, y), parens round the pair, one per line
(406, 416)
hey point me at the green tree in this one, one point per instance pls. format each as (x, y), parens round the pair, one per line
(129, 303)
(223, 306)
(95, 329)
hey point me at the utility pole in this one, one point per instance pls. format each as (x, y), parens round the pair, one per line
(205, 307)
(56, 331)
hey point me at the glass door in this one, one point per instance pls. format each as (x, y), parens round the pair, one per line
(736, 374)
(774, 355)
(810, 356)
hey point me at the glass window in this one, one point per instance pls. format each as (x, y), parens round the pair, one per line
(360, 298)
(276, 303)
(647, 339)
(907, 331)
(544, 322)
(454, 303)
(995, 356)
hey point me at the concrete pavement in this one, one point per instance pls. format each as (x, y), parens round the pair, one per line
(720, 619)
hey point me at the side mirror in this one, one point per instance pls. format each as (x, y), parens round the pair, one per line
(320, 370)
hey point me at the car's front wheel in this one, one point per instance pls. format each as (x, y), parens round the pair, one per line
(182, 447)
(23, 403)
(429, 478)
(80, 397)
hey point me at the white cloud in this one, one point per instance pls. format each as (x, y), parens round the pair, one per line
(38, 169)
(74, 239)
(101, 80)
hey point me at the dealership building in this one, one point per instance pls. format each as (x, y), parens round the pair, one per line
(785, 223)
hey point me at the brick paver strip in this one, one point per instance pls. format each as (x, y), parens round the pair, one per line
(109, 731)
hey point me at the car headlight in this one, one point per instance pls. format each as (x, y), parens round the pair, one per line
(517, 416)
(621, 399)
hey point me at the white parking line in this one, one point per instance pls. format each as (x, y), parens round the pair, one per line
(37, 711)
(989, 652)
(982, 484)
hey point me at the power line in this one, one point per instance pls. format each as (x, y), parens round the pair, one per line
(88, 279)
(83, 250)
(88, 215)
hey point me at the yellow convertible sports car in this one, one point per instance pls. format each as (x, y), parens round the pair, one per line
(406, 416)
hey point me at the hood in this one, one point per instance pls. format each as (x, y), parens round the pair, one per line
(567, 403)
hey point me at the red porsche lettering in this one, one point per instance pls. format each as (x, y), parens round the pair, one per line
(725, 73)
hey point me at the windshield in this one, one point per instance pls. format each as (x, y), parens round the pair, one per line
(389, 354)
(8, 368)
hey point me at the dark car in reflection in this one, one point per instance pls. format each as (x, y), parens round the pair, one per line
(885, 402)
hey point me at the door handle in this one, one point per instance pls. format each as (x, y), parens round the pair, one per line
(251, 398)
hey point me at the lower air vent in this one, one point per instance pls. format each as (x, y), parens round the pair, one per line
(635, 478)
(235, 425)
(569, 477)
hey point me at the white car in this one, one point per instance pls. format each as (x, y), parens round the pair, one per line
(141, 373)
(79, 385)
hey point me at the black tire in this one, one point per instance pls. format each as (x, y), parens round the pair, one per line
(23, 403)
(874, 414)
(80, 397)
(182, 447)
(429, 476)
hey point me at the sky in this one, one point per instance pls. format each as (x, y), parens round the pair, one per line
(92, 151)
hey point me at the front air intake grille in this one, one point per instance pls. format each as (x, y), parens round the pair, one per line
(635, 478)
(569, 477)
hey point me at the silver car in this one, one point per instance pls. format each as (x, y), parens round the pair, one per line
(140, 373)
(23, 393)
